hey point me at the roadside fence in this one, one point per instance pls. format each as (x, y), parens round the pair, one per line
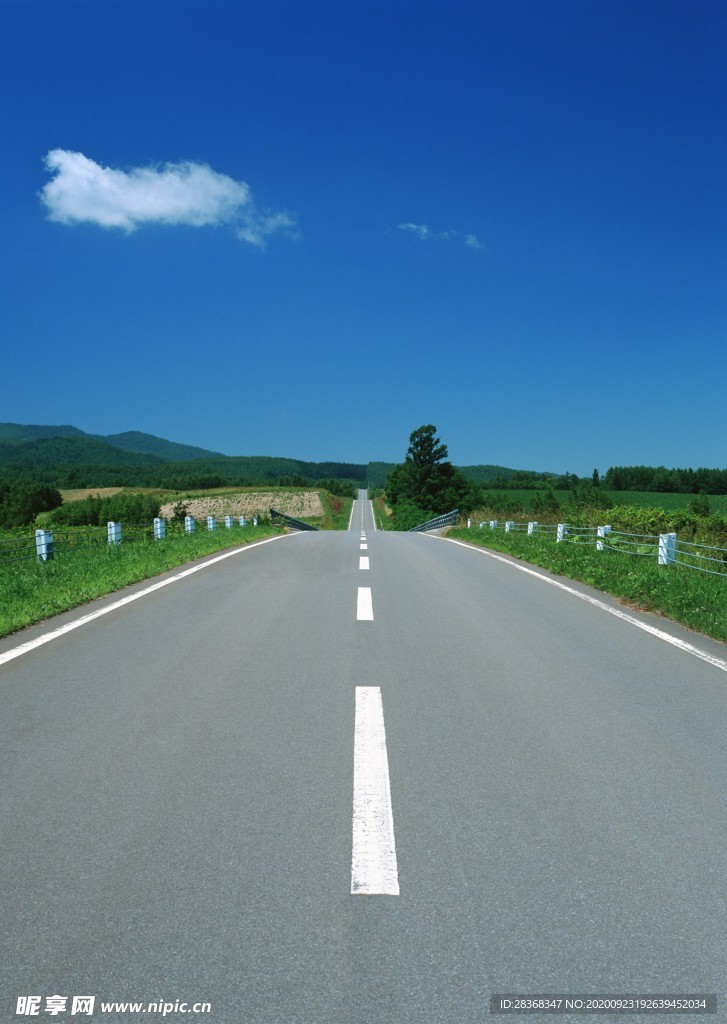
(47, 543)
(665, 547)
(449, 519)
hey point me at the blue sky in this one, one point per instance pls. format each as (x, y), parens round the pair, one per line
(307, 228)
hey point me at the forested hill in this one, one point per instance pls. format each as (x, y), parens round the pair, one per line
(147, 444)
(34, 432)
(130, 441)
(65, 456)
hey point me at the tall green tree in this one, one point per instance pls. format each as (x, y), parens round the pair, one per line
(427, 480)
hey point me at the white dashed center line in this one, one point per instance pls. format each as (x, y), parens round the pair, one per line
(364, 605)
(363, 562)
(374, 870)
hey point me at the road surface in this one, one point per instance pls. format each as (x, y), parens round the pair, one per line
(182, 823)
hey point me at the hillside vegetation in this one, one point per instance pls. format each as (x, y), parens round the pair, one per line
(66, 457)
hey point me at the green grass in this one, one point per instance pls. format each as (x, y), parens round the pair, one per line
(31, 591)
(662, 499)
(383, 519)
(692, 598)
(336, 513)
(646, 499)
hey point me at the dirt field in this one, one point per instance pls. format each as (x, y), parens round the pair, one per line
(293, 503)
(79, 493)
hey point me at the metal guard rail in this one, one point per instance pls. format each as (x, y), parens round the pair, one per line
(450, 519)
(294, 524)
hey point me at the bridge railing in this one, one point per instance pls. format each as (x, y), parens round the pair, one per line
(449, 519)
(294, 524)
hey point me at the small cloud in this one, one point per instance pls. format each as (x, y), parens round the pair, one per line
(420, 230)
(423, 232)
(180, 193)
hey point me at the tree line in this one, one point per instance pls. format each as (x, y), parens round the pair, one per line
(673, 481)
(426, 485)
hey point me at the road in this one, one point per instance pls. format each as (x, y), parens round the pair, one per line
(178, 790)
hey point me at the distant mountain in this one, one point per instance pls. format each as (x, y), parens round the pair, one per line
(148, 444)
(63, 450)
(65, 456)
(130, 441)
(32, 432)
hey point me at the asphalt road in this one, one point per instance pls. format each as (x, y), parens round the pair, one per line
(177, 787)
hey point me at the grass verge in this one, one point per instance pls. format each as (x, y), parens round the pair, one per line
(694, 599)
(336, 512)
(31, 591)
(382, 514)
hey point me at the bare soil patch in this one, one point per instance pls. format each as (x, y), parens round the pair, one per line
(247, 503)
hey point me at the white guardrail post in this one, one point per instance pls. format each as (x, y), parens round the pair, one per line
(160, 529)
(254, 521)
(44, 545)
(228, 522)
(509, 525)
(667, 548)
(531, 529)
(562, 531)
(114, 532)
(493, 524)
(243, 521)
(211, 523)
(603, 531)
(189, 524)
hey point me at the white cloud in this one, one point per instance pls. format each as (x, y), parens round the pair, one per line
(182, 193)
(423, 232)
(420, 230)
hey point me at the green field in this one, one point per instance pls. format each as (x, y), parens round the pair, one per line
(646, 499)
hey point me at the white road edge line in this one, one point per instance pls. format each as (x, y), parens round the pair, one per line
(364, 605)
(363, 562)
(373, 514)
(350, 518)
(17, 652)
(374, 870)
(659, 633)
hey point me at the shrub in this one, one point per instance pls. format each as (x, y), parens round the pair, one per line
(407, 515)
(21, 501)
(123, 508)
(179, 512)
